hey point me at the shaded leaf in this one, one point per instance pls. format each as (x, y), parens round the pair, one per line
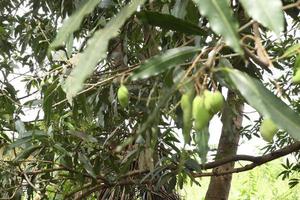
(192, 165)
(268, 13)
(73, 23)
(265, 102)
(49, 96)
(87, 165)
(163, 62)
(61, 149)
(26, 152)
(85, 137)
(221, 20)
(19, 142)
(169, 22)
(96, 50)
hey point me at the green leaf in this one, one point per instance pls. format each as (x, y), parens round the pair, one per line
(268, 13)
(192, 164)
(73, 23)
(163, 62)
(221, 20)
(297, 63)
(61, 149)
(19, 142)
(20, 127)
(85, 137)
(170, 22)
(265, 102)
(49, 96)
(293, 50)
(96, 50)
(180, 8)
(26, 153)
(87, 165)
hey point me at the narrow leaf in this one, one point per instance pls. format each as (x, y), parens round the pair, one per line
(221, 20)
(163, 62)
(49, 96)
(26, 153)
(61, 149)
(265, 102)
(96, 50)
(170, 22)
(87, 165)
(293, 50)
(268, 13)
(20, 127)
(19, 142)
(85, 137)
(73, 23)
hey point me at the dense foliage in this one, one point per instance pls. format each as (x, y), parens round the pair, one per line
(68, 131)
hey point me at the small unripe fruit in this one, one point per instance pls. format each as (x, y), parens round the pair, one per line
(214, 101)
(218, 102)
(296, 77)
(208, 99)
(123, 96)
(186, 106)
(268, 129)
(200, 113)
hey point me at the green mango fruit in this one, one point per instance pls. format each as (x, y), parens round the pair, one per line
(186, 106)
(208, 99)
(268, 129)
(296, 77)
(123, 96)
(214, 101)
(200, 113)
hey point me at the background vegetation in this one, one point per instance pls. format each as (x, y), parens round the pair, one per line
(112, 99)
(260, 183)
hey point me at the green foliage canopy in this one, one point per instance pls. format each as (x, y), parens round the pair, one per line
(70, 58)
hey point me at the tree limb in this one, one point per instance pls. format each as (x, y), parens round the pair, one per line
(256, 161)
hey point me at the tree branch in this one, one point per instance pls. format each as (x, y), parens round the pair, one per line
(257, 60)
(256, 161)
(128, 179)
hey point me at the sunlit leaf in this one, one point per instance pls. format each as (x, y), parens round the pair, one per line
(73, 23)
(268, 13)
(265, 102)
(20, 127)
(163, 62)
(293, 50)
(97, 50)
(221, 20)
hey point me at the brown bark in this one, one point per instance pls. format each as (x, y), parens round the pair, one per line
(219, 186)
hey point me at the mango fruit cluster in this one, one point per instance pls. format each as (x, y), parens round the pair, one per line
(201, 109)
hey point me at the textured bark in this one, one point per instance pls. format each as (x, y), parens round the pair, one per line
(219, 186)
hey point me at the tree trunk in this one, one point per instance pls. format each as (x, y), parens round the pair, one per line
(219, 186)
